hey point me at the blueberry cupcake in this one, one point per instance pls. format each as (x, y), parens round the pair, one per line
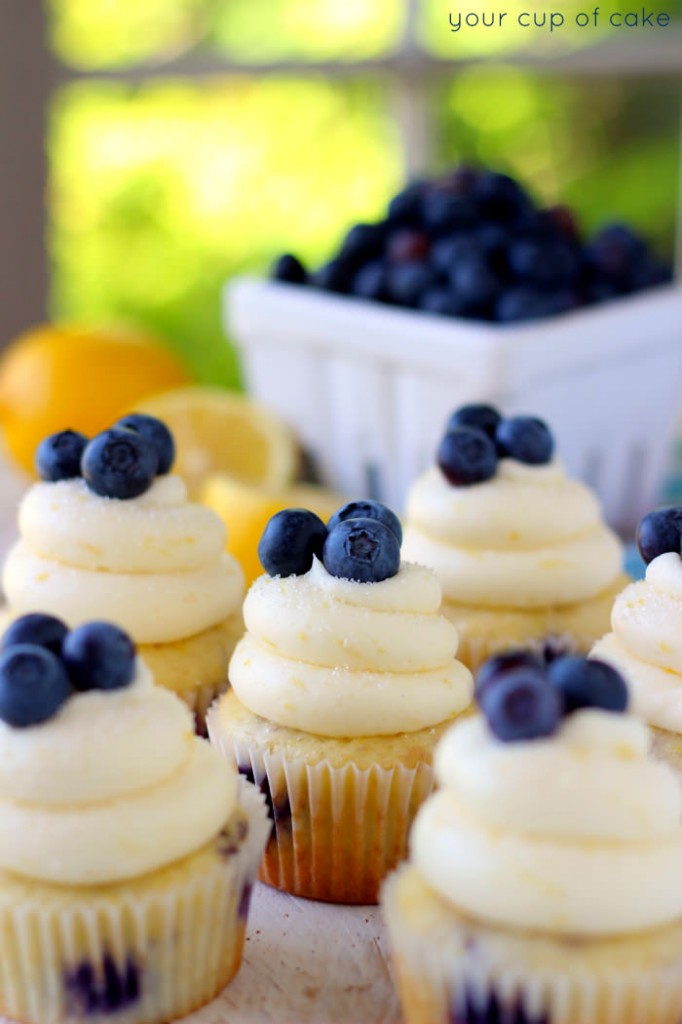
(342, 685)
(544, 882)
(646, 639)
(110, 534)
(521, 551)
(127, 851)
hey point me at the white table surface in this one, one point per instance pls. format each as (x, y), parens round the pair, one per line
(304, 962)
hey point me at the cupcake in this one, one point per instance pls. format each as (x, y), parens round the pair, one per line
(521, 551)
(127, 851)
(342, 685)
(109, 534)
(544, 883)
(646, 639)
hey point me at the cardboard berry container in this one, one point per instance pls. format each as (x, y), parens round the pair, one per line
(368, 387)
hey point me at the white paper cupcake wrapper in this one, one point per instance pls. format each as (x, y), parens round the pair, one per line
(449, 970)
(338, 831)
(143, 953)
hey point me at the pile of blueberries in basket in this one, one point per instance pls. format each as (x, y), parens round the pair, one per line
(474, 244)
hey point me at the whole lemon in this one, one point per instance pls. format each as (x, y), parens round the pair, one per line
(57, 377)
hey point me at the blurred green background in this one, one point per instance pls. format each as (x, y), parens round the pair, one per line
(192, 139)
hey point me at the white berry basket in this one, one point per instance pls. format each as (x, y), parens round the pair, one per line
(368, 387)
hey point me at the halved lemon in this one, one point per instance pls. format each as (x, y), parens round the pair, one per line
(219, 430)
(246, 510)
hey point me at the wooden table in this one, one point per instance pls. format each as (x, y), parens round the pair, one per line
(304, 962)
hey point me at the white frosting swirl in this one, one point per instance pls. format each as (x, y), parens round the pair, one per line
(155, 565)
(646, 642)
(576, 834)
(114, 786)
(527, 538)
(337, 658)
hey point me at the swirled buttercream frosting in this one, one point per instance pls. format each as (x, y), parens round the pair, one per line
(646, 642)
(527, 538)
(576, 834)
(155, 565)
(338, 658)
(114, 786)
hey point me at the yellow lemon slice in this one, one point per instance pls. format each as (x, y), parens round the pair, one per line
(218, 430)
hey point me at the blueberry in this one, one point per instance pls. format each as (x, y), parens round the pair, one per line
(466, 456)
(483, 417)
(501, 199)
(407, 246)
(444, 211)
(363, 242)
(500, 665)
(99, 656)
(522, 705)
(660, 532)
(530, 302)
(33, 685)
(370, 282)
(368, 510)
(588, 683)
(334, 276)
(542, 261)
(563, 220)
(38, 629)
(408, 281)
(406, 206)
(442, 301)
(615, 250)
(474, 281)
(288, 268)
(446, 251)
(157, 433)
(111, 989)
(289, 542)
(363, 550)
(119, 464)
(650, 273)
(58, 457)
(526, 439)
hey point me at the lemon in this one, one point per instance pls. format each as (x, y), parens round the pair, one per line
(57, 377)
(246, 510)
(219, 430)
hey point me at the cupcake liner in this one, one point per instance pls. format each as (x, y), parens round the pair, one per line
(452, 970)
(338, 830)
(667, 746)
(146, 951)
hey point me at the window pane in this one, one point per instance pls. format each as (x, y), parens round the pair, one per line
(110, 33)
(609, 148)
(159, 194)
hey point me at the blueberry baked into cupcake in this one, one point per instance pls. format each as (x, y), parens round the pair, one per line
(110, 534)
(127, 851)
(646, 639)
(521, 551)
(544, 882)
(342, 685)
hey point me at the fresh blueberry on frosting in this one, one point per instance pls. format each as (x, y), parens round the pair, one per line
(362, 550)
(368, 510)
(99, 656)
(290, 541)
(523, 697)
(483, 417)
(33, 685)
(660, 532)
(58, 457)
(39, 629)
(588, 683)
(501, 664)
(466, 455)
(119, 463)
(526, 439)
(521, 705)
(158, 435)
